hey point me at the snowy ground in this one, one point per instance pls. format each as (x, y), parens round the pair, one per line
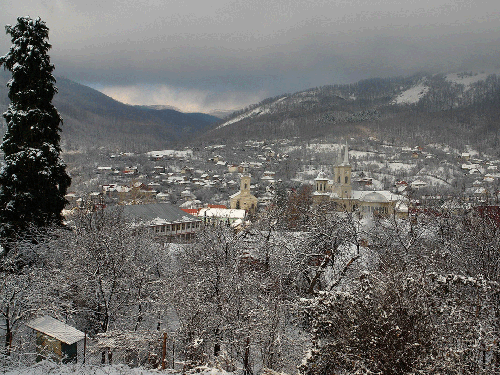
(47, 367)
(398, 166)
(444, 148)
(363, 154)
(324, 147)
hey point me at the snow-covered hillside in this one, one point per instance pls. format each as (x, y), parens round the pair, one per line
(467, 79)
(412, 95)
(260, 110)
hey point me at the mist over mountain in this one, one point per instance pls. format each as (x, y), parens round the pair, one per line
(92, 119)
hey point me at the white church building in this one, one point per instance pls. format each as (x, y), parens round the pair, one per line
(336, 187)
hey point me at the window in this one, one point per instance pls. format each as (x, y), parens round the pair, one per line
(346, 179)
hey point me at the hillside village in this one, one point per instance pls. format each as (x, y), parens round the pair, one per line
(168, 246)
(214, 224)
(207, 177)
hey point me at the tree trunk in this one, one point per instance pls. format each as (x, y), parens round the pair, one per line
(8, 341)
(246, 359)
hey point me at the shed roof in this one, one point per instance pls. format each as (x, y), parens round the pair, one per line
(56, 329)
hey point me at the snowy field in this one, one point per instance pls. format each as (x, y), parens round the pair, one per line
(467, 80)
(412, 95)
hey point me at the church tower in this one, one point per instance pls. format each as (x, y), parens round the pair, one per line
(245, 184)
(321, 183)
(244, 198)
(342, 174)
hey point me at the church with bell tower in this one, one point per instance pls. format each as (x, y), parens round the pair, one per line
(340, 185)
(336, 187)
(244, 199)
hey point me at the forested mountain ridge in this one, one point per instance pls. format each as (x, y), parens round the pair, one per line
(92, 119)
(455, 107)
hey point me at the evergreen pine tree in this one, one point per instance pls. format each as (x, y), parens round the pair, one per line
(34, 179)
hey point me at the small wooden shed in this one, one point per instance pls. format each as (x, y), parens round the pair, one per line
(57, 341)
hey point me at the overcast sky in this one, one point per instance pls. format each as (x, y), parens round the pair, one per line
(200, 55)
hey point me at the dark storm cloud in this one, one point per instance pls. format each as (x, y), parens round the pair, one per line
(206, 54)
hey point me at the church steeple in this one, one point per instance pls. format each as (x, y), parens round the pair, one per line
(346, 155)
(245, 183)
(342, 173)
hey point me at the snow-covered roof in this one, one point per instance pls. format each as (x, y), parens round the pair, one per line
(321, 177)
(480, 191)
(222, 213)
(191, 204)
(325, 194)
(56, 329)
(401, 207)
(374, 197)
(418, 183)
(237, 223)
(170, 153)
(121, 189)
(234, 195)
(165, 212)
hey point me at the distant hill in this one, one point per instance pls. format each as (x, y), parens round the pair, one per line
(456, 108)
(453, 108)
(221, 113)
(92, 119)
